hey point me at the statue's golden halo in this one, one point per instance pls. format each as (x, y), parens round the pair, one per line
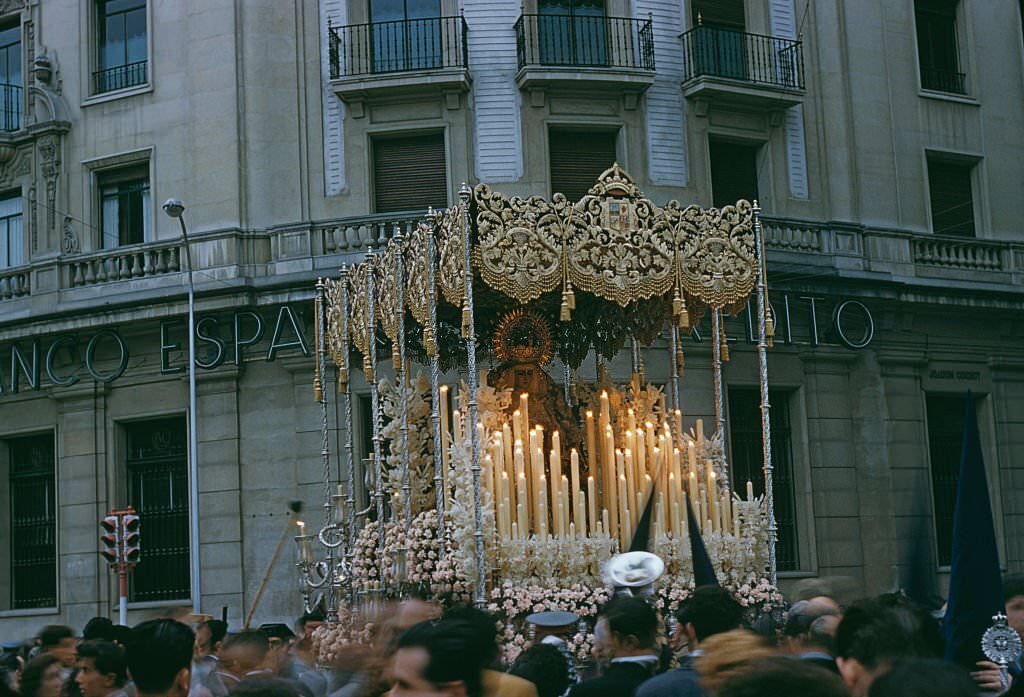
(523, 337)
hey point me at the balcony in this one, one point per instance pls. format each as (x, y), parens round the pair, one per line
(573, 50)
(751, 70)
(938, 80)
(120, 77)
(10, 107)
(399, 57)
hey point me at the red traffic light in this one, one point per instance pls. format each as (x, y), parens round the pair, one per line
(110, 539)
(132, 538)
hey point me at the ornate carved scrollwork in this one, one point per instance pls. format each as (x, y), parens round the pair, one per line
(386, 307)
(335, 340)
(359, 307)
(451, 271)
(717, 263)
(416, 280)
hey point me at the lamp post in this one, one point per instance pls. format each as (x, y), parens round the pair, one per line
(174, 208)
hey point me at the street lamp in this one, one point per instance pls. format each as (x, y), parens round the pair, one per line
(174, 208)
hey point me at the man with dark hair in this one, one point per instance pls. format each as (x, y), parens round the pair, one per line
(98, 628)
(431, 659)
(544, 666)
(709, 611)
(924, 677)
(245, 655)
(782, 677)
(209, 639)
(102, 669)
(308, 623)
(485, 641)
(988, 676)
(876, 633)
(625, 642)
(159, 656)
(58, 640)
(283, 663)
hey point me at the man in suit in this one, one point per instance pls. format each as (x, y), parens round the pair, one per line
(710, 610)
(625, 640)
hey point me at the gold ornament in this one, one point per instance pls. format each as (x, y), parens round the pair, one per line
(523, 337)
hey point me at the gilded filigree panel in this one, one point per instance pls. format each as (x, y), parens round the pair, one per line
(717, 261)
(451, 271)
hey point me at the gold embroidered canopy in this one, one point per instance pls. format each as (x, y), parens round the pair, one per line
(636, 264)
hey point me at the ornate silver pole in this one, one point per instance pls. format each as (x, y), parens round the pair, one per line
(472, 379)
(346, 390)
(325, 452)
(400, 372)
(378, 475)
(635, 353)
(766, 420)
(674, 361)
(567, 376)
(435, 388)
(716, 352)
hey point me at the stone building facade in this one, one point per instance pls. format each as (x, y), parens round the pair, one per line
(881, 138)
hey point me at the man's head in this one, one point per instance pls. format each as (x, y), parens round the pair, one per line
(159, 655)
(876, 633)
(544, 666)
(802, 616)
(626, 626)
(279, 638)
(484, 628)
(1013, 597)
(58, 640)
(245, 652)
(98, 628)
(710, 610)
(209, 638)
(924, 677)
(783, 676)
(101, 668)
(307, 624)
(430, 661)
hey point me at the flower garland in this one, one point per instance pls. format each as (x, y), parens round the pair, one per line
(420, 444)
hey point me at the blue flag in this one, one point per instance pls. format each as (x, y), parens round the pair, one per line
(703, 569)
(975, 589)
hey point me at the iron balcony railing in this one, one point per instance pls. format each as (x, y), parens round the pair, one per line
(942, 80)
(765, 60)
(10, 107)
(584, 41)
(120, 77)
(400, 46)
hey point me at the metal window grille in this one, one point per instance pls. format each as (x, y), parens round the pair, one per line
(122, 60)
(937, 50)
(748, 462)
(710, 51)
(33, 522)
(158, 489)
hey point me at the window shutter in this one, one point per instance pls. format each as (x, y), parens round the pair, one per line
(720, 13)
(578, 158)
(409, 173)
(733, 172)
(949, 186)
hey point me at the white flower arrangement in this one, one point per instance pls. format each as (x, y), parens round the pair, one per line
(420, 444)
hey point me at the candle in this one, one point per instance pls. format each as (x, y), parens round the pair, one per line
(736, 526)
(556, 520)
(456, 427)
(446, 442)
(524, 407)
(506, 497)
(486, 481)
(542, 513)
(591, 442)
(605, 523)
(581, 507)
(574, 471)
(631, 484)
(624, 531)
(630, 419)
(517, 425)
(750, 490)
(679, 422)
(521, 484)
(305, 551)
(591, 505)
(642, 461)
(651, 442)
(515, 530)
(677, 520)
(559, 512)
(691, 453)
(572, 530)
(700, 430)
(608, 469)
(501, 520)
(564, 503)
(522, 519)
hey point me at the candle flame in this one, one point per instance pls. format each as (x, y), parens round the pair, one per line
(444, 388)
(590, 414)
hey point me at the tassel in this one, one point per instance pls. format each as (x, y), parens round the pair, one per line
(396, 357)
(428, 341)
(679, 362)
(565, 313)
(318, 390)
(684, 320)
(677, 305)
(769, 328)
(466, 329)
(367, 368)
(342, 379)
(725, 348)
(570, 297)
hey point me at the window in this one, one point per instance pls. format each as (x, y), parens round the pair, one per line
(945, 414)
(578, 157)
(122, 45)
(158, 489)
(407, 35)
(409, 172)
(572, 32)
(12, 242)
(733, 172)
(31, 499)
(937, 51)
(748, 462)
(952, 202)
(10, 77)
(124, 206)
(720, 46)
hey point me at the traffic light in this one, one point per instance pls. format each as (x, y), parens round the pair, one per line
(110, 539)
(132, 538)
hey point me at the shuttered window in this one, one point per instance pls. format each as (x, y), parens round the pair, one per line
(733, 172)
(949, 187)
(719, 13)
(578, 158)
(937, 52)
(409, 173)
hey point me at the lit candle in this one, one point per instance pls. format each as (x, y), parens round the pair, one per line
(581, 522)
(679, 421)
(736, 526)
(564, 503)
(641, 459)
(605, 523)
(624, 528)
(691, 454)
(542, 516)
(515, 530)
(652, 443)
(630, 419)
(506, 497)
(700, 430)
(524, 407)
(592, 461)
(456, 427)
(574, 471)
(446, 442)
(305, 551)
(631, 483)
(517, 425)
(750, 490)
(559, 512)
(556, 519)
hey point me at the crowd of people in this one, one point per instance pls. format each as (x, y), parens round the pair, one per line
(884, 646)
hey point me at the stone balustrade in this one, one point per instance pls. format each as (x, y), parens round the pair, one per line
(356, 234)
(15, 283)
(123, 263)
(960, 254)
